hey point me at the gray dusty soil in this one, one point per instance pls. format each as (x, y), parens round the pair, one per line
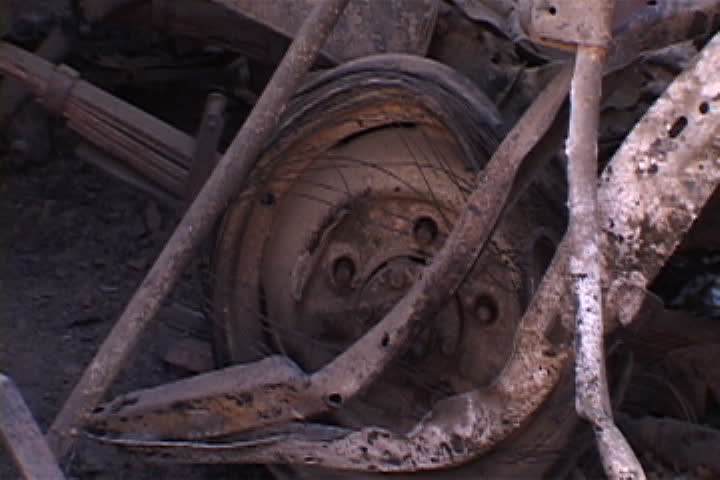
(74, 244)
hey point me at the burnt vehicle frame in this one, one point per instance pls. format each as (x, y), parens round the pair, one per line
(637, 233)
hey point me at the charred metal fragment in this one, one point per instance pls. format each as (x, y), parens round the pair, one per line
(213, 404)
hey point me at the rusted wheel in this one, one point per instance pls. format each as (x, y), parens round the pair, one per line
(358, 192)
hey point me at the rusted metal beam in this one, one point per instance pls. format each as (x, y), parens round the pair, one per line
(584, 231)
(224, 183)
(22, 436)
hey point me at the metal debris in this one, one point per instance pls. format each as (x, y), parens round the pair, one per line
(649, 195)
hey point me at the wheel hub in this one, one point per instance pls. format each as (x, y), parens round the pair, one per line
(342, 242)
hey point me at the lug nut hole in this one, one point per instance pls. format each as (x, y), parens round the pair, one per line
(334, 400)
(343, 271)
(485, 310)
(425, 231)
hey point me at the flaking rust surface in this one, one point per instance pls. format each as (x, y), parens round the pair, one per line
(672, 194)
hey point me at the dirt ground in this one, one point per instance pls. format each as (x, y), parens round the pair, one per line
(75, 244)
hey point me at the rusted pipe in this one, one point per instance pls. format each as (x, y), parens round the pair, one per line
(592, 36)
(22, 436)
(592, 396)
(224, 183)
(583, 231)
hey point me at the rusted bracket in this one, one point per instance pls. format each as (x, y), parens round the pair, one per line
(22, 436)
(649, 195)
(223, 184)
(637, 26)
(567, 23)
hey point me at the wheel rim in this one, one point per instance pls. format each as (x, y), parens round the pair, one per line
(305, 264)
